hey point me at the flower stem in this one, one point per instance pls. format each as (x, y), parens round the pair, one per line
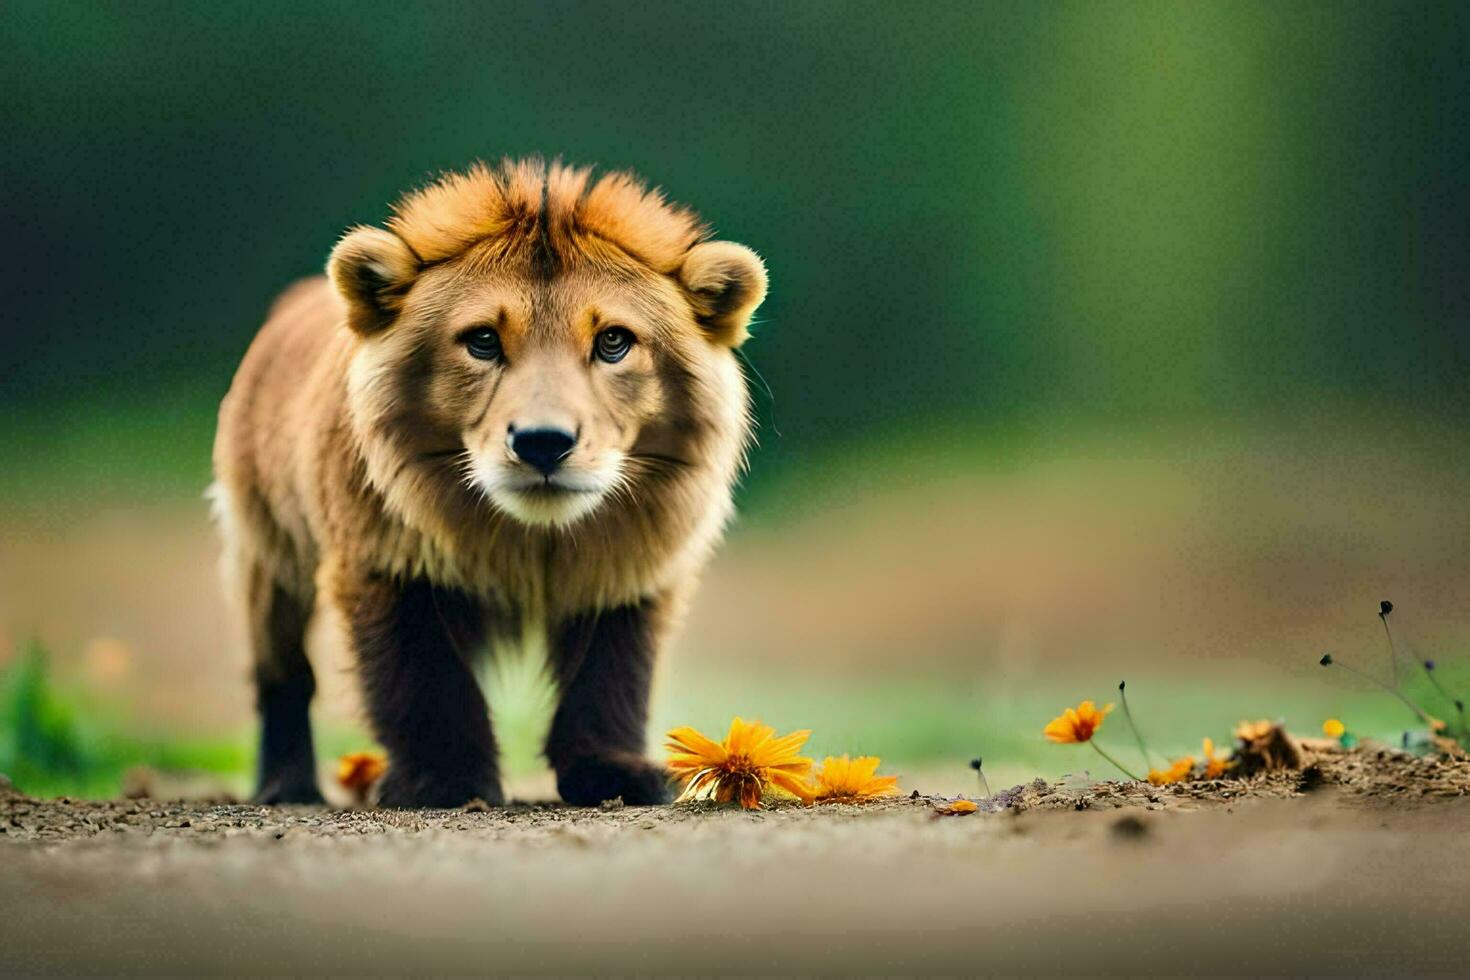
(1423, 715)
(1393, 651)
(1112, 760)
(1459, 705)
(1128, 713)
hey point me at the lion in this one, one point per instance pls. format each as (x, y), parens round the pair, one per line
(514, 410)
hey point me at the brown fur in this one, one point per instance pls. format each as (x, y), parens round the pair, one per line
(362, 455)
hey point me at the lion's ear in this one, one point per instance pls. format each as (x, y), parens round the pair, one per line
(372, 269)
(726, 282)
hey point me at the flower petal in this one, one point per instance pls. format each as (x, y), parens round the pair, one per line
(882, 786)
(750, 794)
(791, 784)
(958, 808)
(688, 740)
(1060, 730)
(786, 745)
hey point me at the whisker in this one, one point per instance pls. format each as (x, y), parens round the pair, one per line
(623, 484)
(620, 489)
(466, 463)
(660, 458)
(770, 395)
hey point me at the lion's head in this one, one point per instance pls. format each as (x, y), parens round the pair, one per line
(543, 342)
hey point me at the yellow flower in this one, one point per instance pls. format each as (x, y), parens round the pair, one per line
(1333, 728)
(357, 771)
(847, 780)
(1215, 765)
(1076, 724)
(958, 808)
(1177, 772)
(743, 767)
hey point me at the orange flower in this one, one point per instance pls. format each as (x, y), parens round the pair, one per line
(1076, 724)
(744, 766)
(958, 808)
(1177, 772)
(847, 780)
(357, 771)
(1215, 765)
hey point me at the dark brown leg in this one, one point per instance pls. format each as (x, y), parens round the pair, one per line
(604, 665)
(284, 685)
(414, 642)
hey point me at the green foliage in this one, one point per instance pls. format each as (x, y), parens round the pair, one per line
(40, 735)
(55, 740)
(971, 211)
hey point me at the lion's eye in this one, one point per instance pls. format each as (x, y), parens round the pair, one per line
(613, 344)
(483, 343)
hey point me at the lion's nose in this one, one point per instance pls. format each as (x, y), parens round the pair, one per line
(542, 448)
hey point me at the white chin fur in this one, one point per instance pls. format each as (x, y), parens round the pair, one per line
(545, 510)
(530, 504)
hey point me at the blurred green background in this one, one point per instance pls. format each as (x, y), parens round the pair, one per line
(1119, 336)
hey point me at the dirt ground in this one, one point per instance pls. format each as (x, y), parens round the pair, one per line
(1356, 864)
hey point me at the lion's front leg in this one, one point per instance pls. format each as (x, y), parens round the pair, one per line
(604, 666)
(414, 642)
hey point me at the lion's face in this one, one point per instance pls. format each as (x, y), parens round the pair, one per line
(567, 384)
(547, 389)
(560, 391)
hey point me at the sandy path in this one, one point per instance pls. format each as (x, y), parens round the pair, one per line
(1330, 881)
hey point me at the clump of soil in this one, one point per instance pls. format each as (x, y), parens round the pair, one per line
(1368, 774)
(1265, 746)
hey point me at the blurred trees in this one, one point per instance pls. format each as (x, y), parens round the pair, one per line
(971, 211)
